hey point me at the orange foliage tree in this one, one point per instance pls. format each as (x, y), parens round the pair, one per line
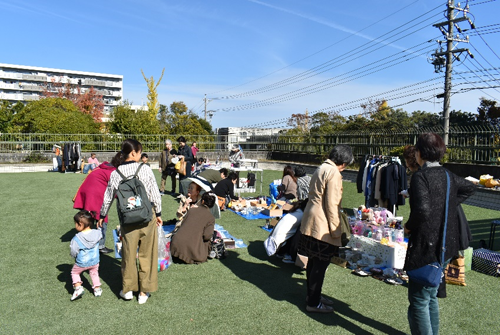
(88, 102)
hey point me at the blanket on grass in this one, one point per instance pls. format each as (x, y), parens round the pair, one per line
(169, 228)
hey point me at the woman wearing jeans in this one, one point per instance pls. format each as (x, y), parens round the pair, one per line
(425, 227)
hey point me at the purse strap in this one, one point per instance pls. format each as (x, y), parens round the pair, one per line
(445, 215)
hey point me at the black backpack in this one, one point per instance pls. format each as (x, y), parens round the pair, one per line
(251, 179)
(133, 204)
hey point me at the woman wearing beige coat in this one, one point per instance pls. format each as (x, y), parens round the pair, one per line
(320, 226)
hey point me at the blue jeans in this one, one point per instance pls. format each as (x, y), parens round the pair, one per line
(102, 241)
(423, 312)
(88, 167)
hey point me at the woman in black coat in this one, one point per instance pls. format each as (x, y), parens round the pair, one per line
(425, 227)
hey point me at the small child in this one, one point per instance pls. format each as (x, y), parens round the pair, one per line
(85, 248)
(144, 158)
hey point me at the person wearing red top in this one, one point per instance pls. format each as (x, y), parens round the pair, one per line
(90, 196)
(194, 149)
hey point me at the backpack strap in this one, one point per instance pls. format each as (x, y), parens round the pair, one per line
(135, 174)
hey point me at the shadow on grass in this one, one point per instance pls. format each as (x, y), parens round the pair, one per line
(276, 280)
(109, 271)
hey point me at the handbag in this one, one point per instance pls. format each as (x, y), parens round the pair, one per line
(180, 166)
(455, 272)
(345, 228)
(432, 274)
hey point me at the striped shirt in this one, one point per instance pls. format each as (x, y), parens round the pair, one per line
(145, 175)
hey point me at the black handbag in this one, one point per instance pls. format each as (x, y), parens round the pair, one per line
(432, 274)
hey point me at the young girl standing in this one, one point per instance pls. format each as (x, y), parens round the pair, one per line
(85, 248)
(143, 236)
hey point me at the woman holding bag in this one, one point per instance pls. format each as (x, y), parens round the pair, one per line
(428, 193)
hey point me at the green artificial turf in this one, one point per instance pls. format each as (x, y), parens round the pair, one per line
(245, 293)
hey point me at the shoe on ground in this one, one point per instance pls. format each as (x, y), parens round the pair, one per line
(79, 291)
(324, 301)
(105, 250)
(321, 308)
(288, 260)
(162, 193)
(127, 296)
(98, 292)
(141, 299)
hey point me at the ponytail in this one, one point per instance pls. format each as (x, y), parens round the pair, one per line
(128, 146)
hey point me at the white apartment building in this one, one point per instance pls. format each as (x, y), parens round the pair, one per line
(26, 83)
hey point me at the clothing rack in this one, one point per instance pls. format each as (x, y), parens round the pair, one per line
(381, 178)
(73, 161)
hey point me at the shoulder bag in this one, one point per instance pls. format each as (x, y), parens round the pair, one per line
(431, 274)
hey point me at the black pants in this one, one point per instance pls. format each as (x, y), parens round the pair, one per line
(315, 272)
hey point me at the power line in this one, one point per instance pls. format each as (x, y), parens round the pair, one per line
(317, 52)
(374, 42)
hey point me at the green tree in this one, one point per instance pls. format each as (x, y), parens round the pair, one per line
(127, 121)
(488, 111)
(183, 122)
(53, 115)
(422, 119)
(162, 117)
(7, 113)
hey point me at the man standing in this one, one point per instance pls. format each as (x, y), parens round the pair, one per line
(167, 168)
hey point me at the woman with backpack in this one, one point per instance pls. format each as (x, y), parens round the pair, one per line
(140, 235)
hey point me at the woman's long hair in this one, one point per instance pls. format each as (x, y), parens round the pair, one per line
(128, 146)
(288, 171)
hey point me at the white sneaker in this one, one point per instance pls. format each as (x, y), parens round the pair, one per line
(127, 296)
(141, 299)
(98, 292)
(79, 291)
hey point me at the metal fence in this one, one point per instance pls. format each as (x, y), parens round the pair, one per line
(480, 145)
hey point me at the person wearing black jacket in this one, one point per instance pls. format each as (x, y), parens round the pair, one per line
(184, 151)
(225, 190)
(425, 226)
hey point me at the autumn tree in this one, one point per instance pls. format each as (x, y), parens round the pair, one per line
(88, 101)
(153, 105)
(53, 115)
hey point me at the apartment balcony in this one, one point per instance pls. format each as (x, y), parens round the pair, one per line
(36, 88)
(8, 86)
(94, 82)
(30, 97)
(33, 77)
(10, 75)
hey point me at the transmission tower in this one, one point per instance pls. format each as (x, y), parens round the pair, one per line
(446, 57)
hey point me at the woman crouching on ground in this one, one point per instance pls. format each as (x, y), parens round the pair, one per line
(191, 243)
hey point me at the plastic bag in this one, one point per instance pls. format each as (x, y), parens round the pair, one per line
(164, 259)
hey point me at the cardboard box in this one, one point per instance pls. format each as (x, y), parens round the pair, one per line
(256, 203)
(274, 221)
(229, 243)
(272, 212)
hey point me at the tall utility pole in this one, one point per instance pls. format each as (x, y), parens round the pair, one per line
(205, 107)
(438, 61)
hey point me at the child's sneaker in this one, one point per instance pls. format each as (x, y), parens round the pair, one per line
(141, 299)
(97, 291)
(78, 293)
(127, 295)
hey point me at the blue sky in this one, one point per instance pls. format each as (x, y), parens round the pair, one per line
(259, 61)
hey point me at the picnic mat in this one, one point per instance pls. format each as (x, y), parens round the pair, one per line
(252, 216)
(169, 228)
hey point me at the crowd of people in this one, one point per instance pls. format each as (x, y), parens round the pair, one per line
(311, 228)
